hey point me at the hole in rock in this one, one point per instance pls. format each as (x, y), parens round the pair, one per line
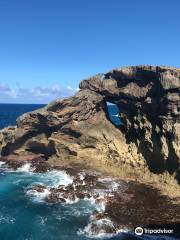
(113, 113)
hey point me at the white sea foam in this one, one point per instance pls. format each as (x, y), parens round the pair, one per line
(69, 201)
(115, 186)
(55, 178)
(100, 231)
(98, 202)
(101, 207)
(38, 196)
(50, 179)
(25, 168)
(110, 183)
(81, 176)
(2, 163)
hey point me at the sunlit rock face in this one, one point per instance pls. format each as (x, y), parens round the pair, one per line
(78, 130)
(149, 101)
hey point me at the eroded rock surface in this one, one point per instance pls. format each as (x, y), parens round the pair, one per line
(118, 204)
(77, 130)
(149, 102)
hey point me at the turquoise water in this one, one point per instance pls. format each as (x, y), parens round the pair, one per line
(24, 216)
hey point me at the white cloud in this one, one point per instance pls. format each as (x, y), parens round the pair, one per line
(77, 89)
(12, 93)
(70, 88)
(6, 90)
(36, 94)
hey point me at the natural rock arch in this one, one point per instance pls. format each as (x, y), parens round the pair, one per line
(79, 131)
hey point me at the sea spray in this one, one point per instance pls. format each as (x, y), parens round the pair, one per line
(25, 168)
(2, 163)
(55, 178)
(38, 196)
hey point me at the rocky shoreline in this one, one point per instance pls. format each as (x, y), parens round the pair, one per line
(121, 205)
(143, 153)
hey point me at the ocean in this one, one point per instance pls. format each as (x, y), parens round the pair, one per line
(24, 216)
(9, 112)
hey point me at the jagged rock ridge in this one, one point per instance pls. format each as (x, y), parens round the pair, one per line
(78, 129)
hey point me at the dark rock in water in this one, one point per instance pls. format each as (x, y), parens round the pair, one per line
(79, 189)
(37, 161)
(142, 205)
(41, 166)
(127, 206)
(136, 205)
(91, 180)
(55, 198)
(78, 131)
(103, 225)
(39, 188)
(61, 195)
(15, 161)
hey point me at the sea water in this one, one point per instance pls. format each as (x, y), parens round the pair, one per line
(25, 215)
(9, 112)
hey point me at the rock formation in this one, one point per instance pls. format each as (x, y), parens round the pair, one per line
(78, 130)
(116, 202)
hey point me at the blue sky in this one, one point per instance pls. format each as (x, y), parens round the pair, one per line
(48, 46)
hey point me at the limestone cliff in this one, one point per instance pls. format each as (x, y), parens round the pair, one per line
(78, 130)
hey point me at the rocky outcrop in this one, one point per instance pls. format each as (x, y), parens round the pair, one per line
(70, 130)
(78, 130)
(119, 204)
(148, 99)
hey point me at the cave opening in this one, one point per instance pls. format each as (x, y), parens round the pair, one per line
(113, 114)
